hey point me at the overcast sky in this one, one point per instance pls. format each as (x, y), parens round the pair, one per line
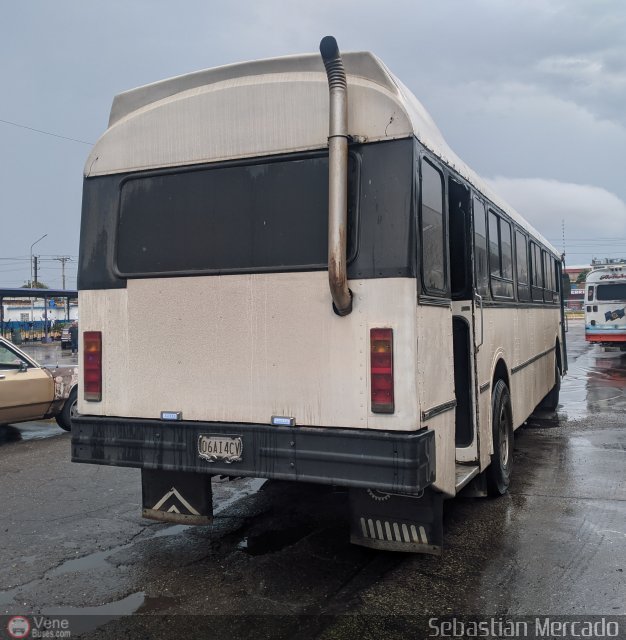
(530, 93)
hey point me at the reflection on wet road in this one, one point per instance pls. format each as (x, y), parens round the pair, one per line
(50, 354)
(596, 380)
(36, 430)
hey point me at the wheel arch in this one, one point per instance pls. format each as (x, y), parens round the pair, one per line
(501, 372)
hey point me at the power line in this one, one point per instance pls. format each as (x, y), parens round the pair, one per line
(47, 133)
(613, 239)
(18, 270)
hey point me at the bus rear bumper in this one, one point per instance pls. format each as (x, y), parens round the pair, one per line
(616, 336)
(400, 462)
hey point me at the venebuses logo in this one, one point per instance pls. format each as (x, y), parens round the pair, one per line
(18, 627)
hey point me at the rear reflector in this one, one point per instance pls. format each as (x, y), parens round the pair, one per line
(381, 370)
(92, 365)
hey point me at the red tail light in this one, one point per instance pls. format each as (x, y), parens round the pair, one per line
(92, 365)
(381, 370)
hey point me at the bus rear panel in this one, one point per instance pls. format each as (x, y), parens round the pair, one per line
(212, 259)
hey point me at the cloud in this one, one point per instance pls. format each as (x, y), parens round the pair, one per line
(594, 218)
(516, 129)
(533, 88)
(596, 80)
(578, 69)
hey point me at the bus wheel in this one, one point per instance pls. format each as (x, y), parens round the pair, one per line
(499, 470)
(551, 401)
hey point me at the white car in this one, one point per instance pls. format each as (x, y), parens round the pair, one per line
(29, 391)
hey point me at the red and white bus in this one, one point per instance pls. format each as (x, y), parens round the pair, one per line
(605, 306)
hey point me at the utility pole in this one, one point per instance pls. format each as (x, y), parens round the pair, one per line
(45, 235)
(35, 271)
(63, 260)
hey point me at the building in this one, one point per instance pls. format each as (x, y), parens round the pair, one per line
(574, 298)
(35, 317)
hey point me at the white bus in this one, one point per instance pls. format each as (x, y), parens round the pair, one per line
(605, 306)
(343, 300)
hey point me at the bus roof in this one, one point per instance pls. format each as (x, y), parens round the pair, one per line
(266, 107)
(607, 274)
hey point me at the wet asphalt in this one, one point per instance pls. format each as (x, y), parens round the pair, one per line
(277, 562)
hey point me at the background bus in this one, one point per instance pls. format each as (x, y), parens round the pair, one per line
(350, 304)
(605, 306)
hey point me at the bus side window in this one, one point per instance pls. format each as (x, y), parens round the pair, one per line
(590, 294)
(432, 230)
(548, 284)
(480, 247)
(500, 256)
(506, 253)
(494, 245)
(537, 273)
(521, 254)
(556, 274)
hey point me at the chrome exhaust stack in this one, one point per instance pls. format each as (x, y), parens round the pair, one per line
(337, 177)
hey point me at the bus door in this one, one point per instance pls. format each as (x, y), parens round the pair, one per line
(563, 284)
(465, 332)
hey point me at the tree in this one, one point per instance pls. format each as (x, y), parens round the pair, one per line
(582, 276)
(36, 285)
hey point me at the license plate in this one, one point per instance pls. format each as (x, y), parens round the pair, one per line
(220, 448)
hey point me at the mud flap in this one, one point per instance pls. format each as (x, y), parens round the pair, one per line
(397, 522)
(176, 496)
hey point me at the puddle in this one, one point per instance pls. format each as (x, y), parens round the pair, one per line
(85, 563)
(40, 430)
(87, 619)
(174, 530)
(158, 604)
(26, 431)
(8, 597)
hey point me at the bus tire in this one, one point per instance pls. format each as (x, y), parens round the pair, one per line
(551, 401)
(64, 419)
(499, 470)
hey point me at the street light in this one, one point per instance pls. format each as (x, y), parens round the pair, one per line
(32, 307)
(31, 257)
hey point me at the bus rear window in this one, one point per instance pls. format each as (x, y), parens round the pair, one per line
(615, 292)
(253, 217)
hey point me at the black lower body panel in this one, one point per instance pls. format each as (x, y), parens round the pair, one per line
(386, 460)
